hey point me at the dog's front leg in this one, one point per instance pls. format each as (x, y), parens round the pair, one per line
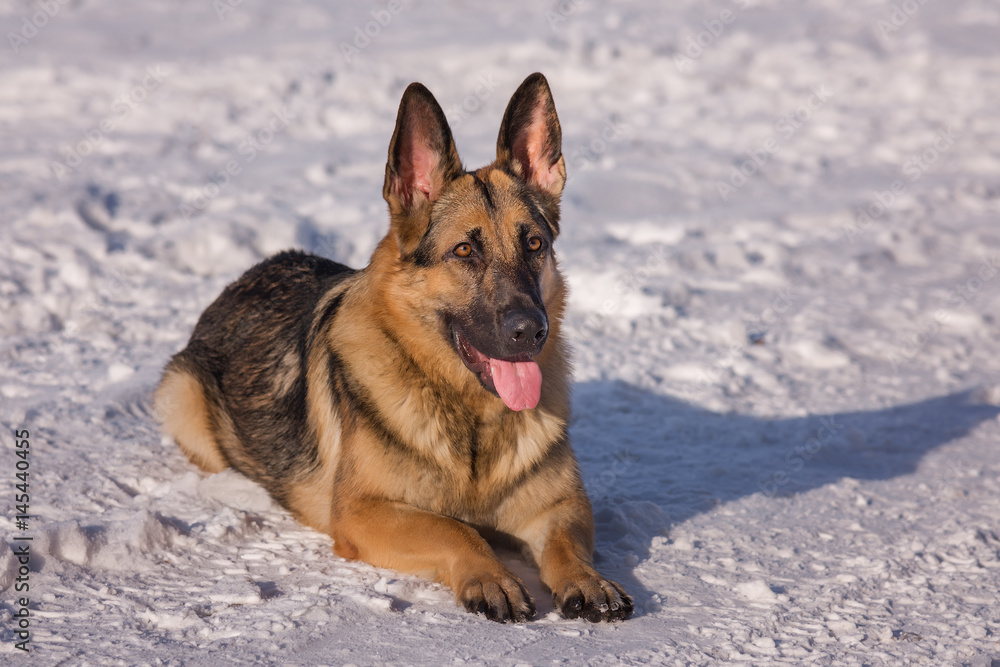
(562, 541)
(402, 537)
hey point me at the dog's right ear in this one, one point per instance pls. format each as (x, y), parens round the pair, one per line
(422, 161)
(530, 140)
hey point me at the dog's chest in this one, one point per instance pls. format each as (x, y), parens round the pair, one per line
(470, 476)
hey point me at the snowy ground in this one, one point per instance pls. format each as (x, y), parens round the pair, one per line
(786, 412)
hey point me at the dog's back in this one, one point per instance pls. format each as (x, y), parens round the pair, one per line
(236, 396)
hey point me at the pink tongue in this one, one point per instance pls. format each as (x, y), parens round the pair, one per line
(519, 383)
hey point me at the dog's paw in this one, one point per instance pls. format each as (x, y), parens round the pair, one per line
(594, 599)
(501, 598)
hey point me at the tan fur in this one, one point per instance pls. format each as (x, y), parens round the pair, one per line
(180, 405)
(407, 460)
(309, 499)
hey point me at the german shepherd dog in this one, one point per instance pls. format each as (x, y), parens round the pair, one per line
(416, 407)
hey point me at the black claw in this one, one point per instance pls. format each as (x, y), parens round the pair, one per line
(623, 610)
(573, 605)
(615, 605)
(629, 606)
(501, 615)
(525, 615)
(521, 609)
(529, 604)
(475, 606)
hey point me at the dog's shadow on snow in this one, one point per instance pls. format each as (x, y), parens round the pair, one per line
(651, 461)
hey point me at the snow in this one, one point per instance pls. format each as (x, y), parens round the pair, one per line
(787, 379)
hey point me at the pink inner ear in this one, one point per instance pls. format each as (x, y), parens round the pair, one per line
(549, 177)
(418, 166)
(532, 152)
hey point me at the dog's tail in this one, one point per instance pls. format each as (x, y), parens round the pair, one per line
(181, 405)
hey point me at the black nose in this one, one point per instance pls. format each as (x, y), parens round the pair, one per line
(525, 330)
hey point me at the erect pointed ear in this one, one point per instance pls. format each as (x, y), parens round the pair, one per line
(530, 141)
(422, 161)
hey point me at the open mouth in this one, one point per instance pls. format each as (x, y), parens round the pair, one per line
(516, 380)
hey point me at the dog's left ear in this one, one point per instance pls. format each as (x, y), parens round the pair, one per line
(422, 161)
(530, 141)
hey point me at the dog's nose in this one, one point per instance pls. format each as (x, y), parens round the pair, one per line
(525, 329)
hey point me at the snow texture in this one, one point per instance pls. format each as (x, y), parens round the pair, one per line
(780, 228)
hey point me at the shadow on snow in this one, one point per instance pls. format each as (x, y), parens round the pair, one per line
(652, 461)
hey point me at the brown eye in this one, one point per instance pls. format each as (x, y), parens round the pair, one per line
(462, 250)
(534, 244)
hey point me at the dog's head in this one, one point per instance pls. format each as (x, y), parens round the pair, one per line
(479, 243)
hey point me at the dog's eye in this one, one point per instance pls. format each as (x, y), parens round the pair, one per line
(462, 250)
(534, 244)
